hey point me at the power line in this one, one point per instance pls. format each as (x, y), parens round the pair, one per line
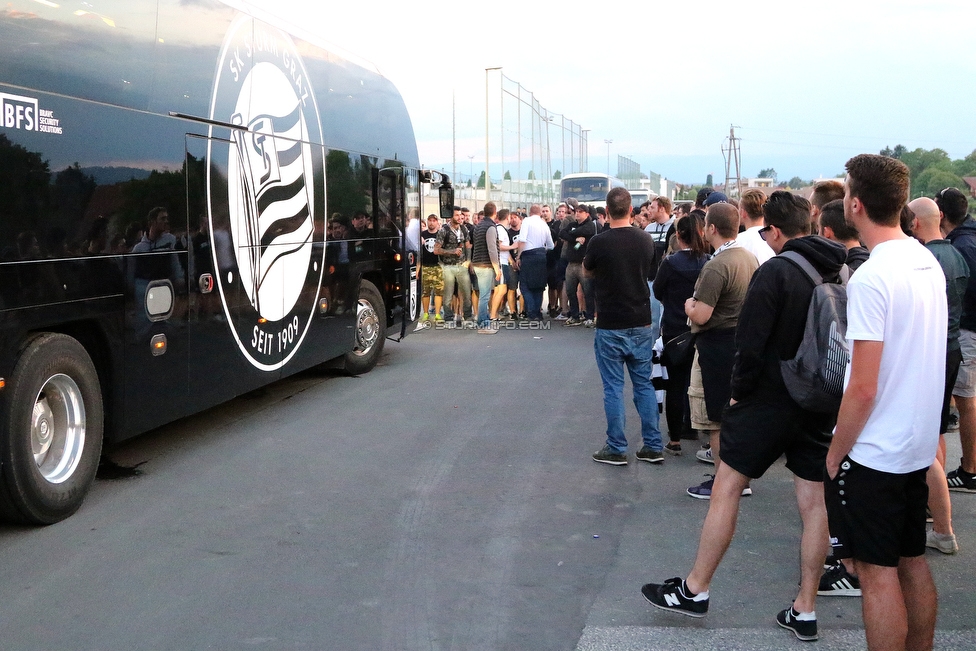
(857, 137)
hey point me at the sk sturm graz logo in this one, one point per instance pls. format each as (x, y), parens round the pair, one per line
(275, 181)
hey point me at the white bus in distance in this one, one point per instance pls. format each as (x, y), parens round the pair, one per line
(588, 188)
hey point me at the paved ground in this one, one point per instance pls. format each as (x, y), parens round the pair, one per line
(444, 501)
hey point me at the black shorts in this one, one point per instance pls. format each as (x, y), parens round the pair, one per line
(875, 517)
(561, 265)
(758, 430)
(953, 360)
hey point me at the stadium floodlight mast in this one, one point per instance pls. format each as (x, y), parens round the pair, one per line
(487, 175)
(584, 151)
(608, 155)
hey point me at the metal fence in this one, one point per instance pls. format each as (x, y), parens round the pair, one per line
(528, 148)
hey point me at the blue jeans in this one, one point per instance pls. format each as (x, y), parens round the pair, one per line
(533, 302)
(632, 347)
(486, 282)
(455, 273)
(532, 278)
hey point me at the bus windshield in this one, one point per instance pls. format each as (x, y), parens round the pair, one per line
(585, 189)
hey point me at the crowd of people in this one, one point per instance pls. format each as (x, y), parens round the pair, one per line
(727, 289)
(510, 264)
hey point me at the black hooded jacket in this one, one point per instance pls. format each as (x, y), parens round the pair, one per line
(963, 237)
(774, 314)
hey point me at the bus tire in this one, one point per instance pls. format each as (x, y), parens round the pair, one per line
(52, 440)
(370, 330)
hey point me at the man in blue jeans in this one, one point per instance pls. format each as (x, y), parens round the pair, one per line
(619, 260)
(484, 261)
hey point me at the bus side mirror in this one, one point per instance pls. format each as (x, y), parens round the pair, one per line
(446, 200)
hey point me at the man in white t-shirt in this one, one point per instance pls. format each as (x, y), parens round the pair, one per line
(505, 247)
(751, 216)
(534, 240)
(886, 435)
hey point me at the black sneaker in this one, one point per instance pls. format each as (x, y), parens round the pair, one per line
(838, 582)
(805, 630)
(961, 481)
(671, 596)
(649, 455)
(953, 422)
(608, 455)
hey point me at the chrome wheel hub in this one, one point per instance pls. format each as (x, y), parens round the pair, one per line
(58, 428)
(367, 327)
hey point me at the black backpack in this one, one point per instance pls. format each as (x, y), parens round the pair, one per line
(815, 376)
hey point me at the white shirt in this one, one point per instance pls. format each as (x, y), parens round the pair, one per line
(504, 257)
(751, 240)
(535, 233)
(659, 231)
(898, 297)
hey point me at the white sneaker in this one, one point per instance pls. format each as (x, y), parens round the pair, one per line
(562, 317)
(705, 456)
(944, 542)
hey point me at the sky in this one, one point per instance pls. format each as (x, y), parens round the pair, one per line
(806, 84)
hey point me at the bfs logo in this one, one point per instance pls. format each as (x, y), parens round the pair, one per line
(272, 197)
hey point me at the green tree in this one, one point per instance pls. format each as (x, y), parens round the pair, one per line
(964, 166)
(531, 176)
(708, 180)
(796, 183)
(481, 179)
(934, 179)
(767, 173)
(920, 160)
(557, 175)
(508, 176)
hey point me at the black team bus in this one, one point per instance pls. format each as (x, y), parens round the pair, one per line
(196, 200)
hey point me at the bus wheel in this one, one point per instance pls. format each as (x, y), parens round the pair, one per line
(53, 434)
(370, 330)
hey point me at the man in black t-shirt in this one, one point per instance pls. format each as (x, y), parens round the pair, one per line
(619, 260)
(431, 276)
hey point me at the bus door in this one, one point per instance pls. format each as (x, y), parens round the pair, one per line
(401, 267)
(231, 351)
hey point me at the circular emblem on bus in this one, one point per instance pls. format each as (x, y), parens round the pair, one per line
(266, 192)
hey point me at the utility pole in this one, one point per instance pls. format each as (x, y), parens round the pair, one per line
(487, 173)
(608, 155)
(453, 136)
(732, 153)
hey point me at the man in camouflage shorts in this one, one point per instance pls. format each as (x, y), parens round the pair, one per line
(432, 278)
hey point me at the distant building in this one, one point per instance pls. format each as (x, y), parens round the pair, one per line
(971, 182)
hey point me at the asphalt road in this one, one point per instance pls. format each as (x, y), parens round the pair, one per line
(447, 500)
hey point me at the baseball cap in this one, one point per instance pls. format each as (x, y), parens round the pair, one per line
(573, 204)
(716, 197)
